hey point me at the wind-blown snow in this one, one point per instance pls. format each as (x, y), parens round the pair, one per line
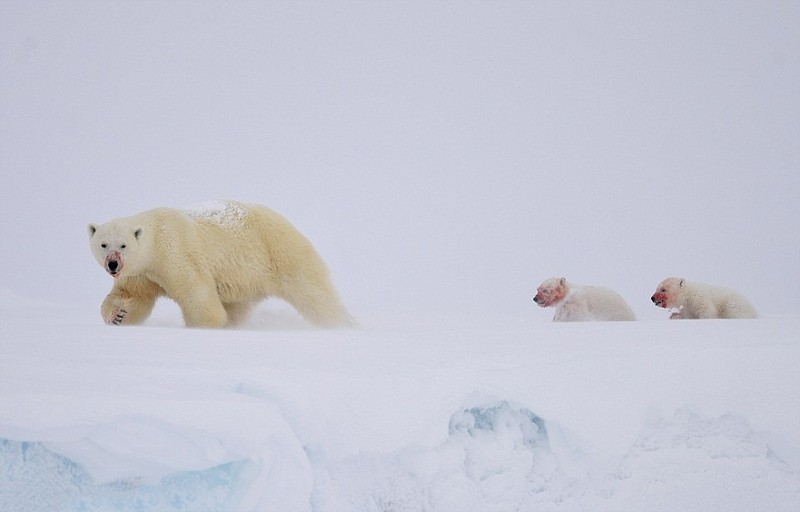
(224, 213)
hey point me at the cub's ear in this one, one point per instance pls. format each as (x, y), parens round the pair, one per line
(137, 233)
(92, 228)
(562, 281)
(681, 283)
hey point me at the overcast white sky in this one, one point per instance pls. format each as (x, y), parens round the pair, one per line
(442, 156)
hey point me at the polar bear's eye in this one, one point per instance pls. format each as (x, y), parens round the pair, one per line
(103, 245)
(122, 246)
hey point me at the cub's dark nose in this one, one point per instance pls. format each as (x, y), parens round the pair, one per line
(112, 266)
(653, 298)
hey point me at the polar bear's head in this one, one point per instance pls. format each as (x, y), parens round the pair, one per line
(116, 247)
(551, 292)
(668, 293)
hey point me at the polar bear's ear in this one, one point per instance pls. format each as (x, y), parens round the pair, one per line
(680, 285)
(562, 281)
(92, 228)
(137, 233)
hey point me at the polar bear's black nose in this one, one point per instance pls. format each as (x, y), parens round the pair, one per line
(653, 298)
(112, 266)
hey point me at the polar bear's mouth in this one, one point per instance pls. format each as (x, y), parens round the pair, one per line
(543, 302)
(113, 266)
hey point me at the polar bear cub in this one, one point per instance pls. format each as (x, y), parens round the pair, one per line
(576, 303)
(216, 260)
(689, 299)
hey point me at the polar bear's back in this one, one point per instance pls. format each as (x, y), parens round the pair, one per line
(606, 304)
(224, 214)
(254, 238)
(241, 221)
(588, 303)
(727, 302)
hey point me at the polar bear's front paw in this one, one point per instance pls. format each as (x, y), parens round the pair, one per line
(117, 316)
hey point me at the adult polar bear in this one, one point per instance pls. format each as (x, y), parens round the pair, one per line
(695, 300)
(575, 303)
(216, 260)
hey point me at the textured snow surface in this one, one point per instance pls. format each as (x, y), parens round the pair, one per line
(481, 415)
(226, 213)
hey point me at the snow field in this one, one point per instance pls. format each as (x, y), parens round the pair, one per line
(479, 415)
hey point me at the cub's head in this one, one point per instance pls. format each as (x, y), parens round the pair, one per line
(115, 247)
(668, 293)
(551, 292)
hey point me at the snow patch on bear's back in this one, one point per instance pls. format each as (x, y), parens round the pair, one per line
(224, 213)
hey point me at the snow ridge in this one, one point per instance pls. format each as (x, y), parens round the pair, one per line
(497, 456)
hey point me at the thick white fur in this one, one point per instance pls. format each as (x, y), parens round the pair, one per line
(216, 261)
(692, 300)
(576, 303)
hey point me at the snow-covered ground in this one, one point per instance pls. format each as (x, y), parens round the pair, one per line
(473, 414)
